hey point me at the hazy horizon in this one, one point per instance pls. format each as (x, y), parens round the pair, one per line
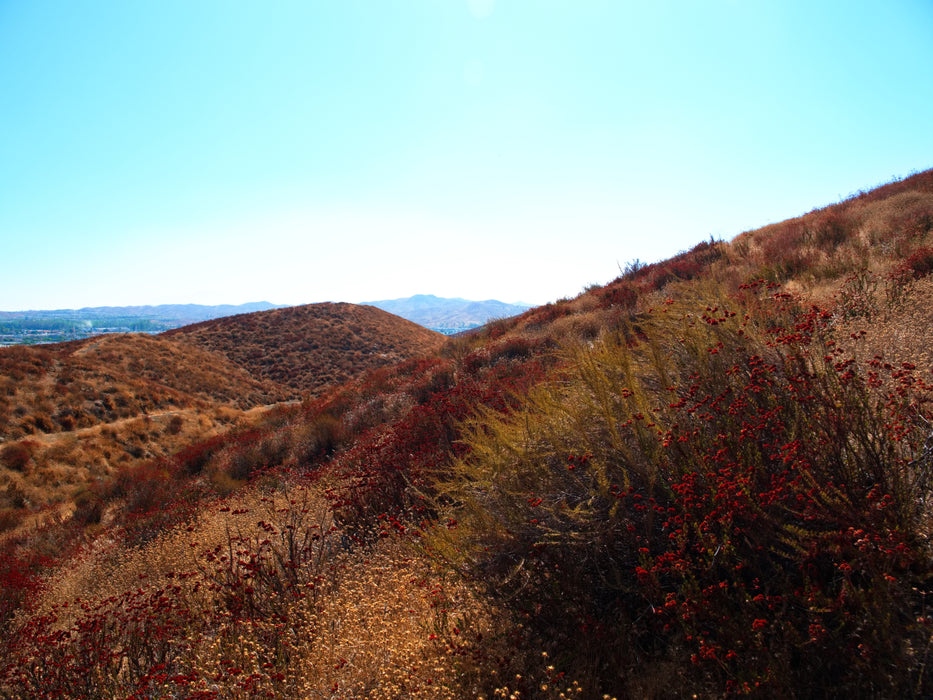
(214, 152)
(256, 302)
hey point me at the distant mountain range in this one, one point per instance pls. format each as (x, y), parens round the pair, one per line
(56, 325)
(439, 314)
(182, 313)
(446, 315)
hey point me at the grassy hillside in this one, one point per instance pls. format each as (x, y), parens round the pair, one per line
(312, 346)
(709, 477)
(80, 411)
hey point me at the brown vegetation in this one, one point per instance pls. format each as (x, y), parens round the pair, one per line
(70, 386)
(74, 413)
(310, 347)
(710, 477)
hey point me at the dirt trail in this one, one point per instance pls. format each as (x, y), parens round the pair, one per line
(51, 438)
(85, 349)
(157, 417)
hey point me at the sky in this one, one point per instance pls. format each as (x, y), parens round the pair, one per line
(228, 151)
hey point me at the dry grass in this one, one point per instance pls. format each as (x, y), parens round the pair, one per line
(365, 625)
(816, 252)
(59, 465)
(899, 332)
(310, 347)
(61, 388)
(292, 587)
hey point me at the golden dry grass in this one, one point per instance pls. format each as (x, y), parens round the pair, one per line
(380, 620)
(60, 388)
(367, 628)
(61, 464)
(310, 347)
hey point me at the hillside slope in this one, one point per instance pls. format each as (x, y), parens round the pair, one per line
(77, 413)
(54, 388)
(312, 346)
(710, 477)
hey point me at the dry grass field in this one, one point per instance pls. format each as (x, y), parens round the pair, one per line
(710, 477)
(310, 347)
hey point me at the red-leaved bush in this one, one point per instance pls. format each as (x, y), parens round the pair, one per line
(724, 502)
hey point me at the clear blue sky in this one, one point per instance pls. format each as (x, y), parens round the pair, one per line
(224, 151)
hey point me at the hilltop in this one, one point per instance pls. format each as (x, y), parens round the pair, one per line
(312, 346)
(710, 476)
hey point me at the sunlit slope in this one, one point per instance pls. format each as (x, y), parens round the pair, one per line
(48, 389)
(710, 477)
(312, 346)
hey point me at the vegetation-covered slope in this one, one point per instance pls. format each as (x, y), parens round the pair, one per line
(312, 346)
(81, 411)
(47, 389)
(691, 481)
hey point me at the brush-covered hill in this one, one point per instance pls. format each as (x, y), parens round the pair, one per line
(55, 388)
(709, 477)
(79, 411)
(310, 347)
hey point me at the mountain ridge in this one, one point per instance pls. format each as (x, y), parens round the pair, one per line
(189, 312)
(448, 315)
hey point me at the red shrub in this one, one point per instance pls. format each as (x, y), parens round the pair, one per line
(543, 315)
(833, 227)
(622, 294)
(749, 512)
(18, 455)
(919, 264)
(684, 266)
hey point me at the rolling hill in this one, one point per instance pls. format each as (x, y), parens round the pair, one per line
(56, 388)
(81, 411)
(75, 412)
(710, 477)
(310, 347)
